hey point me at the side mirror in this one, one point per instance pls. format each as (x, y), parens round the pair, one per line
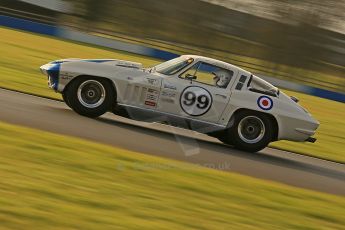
(190, 77)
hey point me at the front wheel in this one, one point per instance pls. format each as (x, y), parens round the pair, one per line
(65, 99)
(252, 131)
(90, 96)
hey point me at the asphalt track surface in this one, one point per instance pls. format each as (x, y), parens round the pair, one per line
(174, 143)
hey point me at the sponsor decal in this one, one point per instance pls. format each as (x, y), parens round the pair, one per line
(65, 76)
(195, 100)
(150, 103)
(168, 100)
(168, 97)
(168, 94)
(265, 103)
(151, 97)
(169, 86)
(152, 91)
(152, 81)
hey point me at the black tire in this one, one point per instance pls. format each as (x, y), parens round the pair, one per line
(65, 99)
(251, 132)
(90, 96)
(224, 137)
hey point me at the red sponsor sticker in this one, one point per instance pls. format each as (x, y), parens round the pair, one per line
(150, 103)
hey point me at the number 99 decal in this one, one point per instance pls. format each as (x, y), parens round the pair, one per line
(195, 101)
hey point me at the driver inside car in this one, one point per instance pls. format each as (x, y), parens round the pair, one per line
(222, 78)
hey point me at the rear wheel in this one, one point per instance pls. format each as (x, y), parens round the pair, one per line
(90, 96)
(252, 131)
(225, 137)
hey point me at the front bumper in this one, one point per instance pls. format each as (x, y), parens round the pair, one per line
(52, 71)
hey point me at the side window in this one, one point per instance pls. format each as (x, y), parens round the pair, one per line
(241, 82)
(258, 85)
(209, 74)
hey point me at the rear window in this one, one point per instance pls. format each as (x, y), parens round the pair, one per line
(261, 86)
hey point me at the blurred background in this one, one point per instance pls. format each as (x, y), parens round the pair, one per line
(300, 41)
(57, 174)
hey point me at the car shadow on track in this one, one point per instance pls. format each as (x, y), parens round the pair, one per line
(220, 148)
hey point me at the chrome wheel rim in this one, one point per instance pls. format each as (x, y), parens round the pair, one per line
(91, 94)
(251, 129)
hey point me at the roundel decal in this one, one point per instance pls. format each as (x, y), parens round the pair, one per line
(265, 103)
(195, 101)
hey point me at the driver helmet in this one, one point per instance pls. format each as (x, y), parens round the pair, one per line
(222, 78)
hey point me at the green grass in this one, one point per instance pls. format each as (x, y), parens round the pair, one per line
(25, 52)
(50, 181)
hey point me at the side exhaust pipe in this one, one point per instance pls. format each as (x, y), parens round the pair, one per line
(311, 139)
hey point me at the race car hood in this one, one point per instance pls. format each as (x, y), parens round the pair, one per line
(113, 62)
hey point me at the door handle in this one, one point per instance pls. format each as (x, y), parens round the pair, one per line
(220, 95)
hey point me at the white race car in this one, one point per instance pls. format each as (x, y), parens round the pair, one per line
(194, 92)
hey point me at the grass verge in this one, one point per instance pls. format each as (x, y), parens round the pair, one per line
(50, 181)
(25, 52)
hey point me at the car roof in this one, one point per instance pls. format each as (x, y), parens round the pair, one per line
(215, 61)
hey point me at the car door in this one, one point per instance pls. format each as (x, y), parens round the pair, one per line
(169, 99)
(194, 95)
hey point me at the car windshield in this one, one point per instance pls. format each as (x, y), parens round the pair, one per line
(173, 66)
(263, 86)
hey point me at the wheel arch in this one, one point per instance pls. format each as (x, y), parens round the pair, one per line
(270, 116)
(98, 77)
